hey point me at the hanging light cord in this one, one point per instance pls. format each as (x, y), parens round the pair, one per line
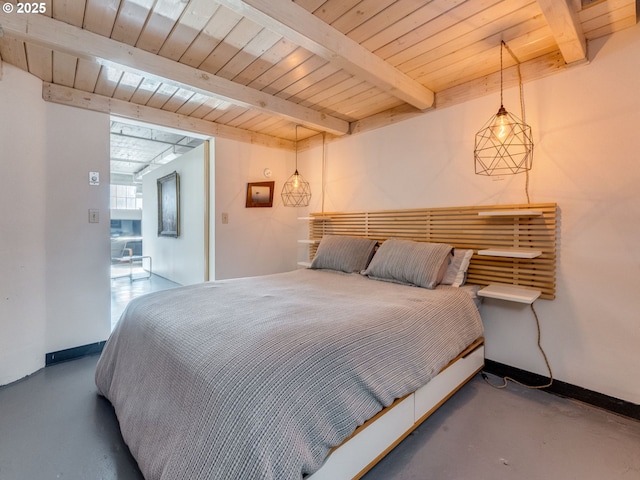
(546, 361)
(502, 44)
(522, 111)
(297, 148)
(324, 163)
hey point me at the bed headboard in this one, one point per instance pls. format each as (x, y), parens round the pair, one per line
(517, 231)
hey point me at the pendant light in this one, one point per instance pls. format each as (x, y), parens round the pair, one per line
(504, 145)
(296, 191)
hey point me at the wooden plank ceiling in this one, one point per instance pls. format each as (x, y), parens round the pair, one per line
(253, 70)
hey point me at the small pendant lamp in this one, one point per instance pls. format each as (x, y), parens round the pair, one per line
(504, 145)
(296, 191)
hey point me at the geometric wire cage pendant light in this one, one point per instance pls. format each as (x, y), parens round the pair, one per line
(296, 191)
(504, 145)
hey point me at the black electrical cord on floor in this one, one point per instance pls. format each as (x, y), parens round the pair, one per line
(544, 355)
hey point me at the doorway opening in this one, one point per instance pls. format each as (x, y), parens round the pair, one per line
(136, 150)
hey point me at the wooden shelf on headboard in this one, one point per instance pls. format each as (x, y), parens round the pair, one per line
(487, 227)
(510, 213)
(511, 293)
(511, 252)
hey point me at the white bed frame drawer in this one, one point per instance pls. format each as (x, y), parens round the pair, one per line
(356, 453)
(355, 456)
(429, 397)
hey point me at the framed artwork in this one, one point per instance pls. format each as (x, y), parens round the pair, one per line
(169, 205)
(260, 194)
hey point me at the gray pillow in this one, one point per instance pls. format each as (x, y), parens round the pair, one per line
(343, 253)
(409, 263)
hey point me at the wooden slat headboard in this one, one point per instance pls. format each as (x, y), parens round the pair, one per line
(525, 226)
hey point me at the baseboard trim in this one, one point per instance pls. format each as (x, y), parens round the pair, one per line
(600, 400)
(73, 353)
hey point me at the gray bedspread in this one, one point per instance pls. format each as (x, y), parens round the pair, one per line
(258, 378)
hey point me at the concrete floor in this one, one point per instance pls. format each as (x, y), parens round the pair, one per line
(124, 289)
(53, 425)
(516, 433)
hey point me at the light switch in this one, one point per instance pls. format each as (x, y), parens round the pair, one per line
(94, 215)
(225, 218)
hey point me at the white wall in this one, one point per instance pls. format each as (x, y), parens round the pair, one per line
(256, 241)
(585, 124)
(22, 225)
(178, 259)
(77, 252)
(54, 287)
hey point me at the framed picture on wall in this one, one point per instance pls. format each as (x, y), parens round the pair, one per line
(260, 194)
(169, 205)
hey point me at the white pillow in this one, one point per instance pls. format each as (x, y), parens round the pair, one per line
(456, 273)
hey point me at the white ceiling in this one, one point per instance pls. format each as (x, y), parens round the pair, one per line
(136, 149)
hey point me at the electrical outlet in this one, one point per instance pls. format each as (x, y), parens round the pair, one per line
(225, 218)
(94, 215)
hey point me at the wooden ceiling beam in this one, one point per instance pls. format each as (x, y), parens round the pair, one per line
(98, 103)
(47, 32)
(566, 29)
(293, 22)
(536, 68)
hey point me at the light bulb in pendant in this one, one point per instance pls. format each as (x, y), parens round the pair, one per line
(500, 127)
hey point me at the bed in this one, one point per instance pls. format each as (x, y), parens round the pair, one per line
(314, 373)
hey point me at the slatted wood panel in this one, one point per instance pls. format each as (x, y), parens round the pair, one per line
(463, 227)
